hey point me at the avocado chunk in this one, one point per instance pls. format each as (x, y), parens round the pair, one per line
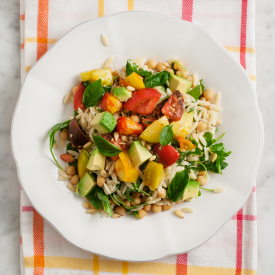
(96, 160)
(86, 184)
(122, 94)
(138, 153)
(191, 190)
(104, 122)
(179, 83)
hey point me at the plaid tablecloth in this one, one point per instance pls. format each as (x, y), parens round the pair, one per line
(233, 250)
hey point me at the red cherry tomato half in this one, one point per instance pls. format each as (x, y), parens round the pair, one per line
(168, 155)
(126, 126)
(78, 98)
(143, 101)
(147, 121)
(67, 157)
(174, 106)
(110, 103)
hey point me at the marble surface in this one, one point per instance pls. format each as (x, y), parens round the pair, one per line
(9, 90)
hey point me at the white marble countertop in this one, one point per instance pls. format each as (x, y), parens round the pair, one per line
(9, 90)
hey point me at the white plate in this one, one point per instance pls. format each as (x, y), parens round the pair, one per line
(133, 35)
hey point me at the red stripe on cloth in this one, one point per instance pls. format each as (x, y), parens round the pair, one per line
(38, 244)
(27, 208)
(187, 10)
(42, 26)
(181, 264)
(245, 217)
(243, 34)
(254, 189)
(22, 46)
(22, 17)
(239, 252)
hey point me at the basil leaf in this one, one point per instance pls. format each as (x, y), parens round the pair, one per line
(156, 79)
(105, 147)
(196, 92)
(93, 197)
(57, 127)
(133, 68)
(177, 186)
(93, 93)
(105, 202)
(166, 135)
(202, 86)
(86, 83)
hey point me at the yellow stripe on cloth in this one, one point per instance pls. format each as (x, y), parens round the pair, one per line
(27, 68)
(238, 49)
(100, 8)
(252, 77)
(130, 5)
(152, 268)
(204, 270)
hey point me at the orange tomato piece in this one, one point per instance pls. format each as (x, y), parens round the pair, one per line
(126, 126)
(186, 144)
(110, 103)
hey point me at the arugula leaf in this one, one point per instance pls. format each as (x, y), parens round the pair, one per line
(143, 165)
(107, 89)
(105, 202)
(93, 93)
(197, 151)
(220, 151)
(133, 68)
(127, 207)
(175, 143)
(191, 110)
(178, 64)
(156, 79)
(177, 186)
(196, 92)
(199, 193)
(105, 147)
(210, 140)
(135, 213)
(139, 190)
(128, 194)
(93, 197)
(166, 135)
(57, 127)
(202, 86)
(75, 113)
(117, 203)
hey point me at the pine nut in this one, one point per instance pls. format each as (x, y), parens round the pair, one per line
(116, 136)
(122, 143)
(104, 39)
(124, 138)
(109, 61)
(90, 211)
(130, 88)
(143, 142)
(179, 213)
(148, 147)
(87, 144)
(103, 173)
(219, 190)
(152, 158)
(86, 205)
(188, 210)
(71, 187)
(129, 143)
(214, 157)
(66, 98)
(116, 216)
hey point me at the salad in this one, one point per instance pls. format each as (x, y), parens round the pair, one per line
(142, 138)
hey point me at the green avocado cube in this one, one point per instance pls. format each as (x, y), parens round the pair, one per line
(122, 93)
(138, 153)
(96, 160)
(191, 190)
(86, 184)
(104, 122)
(179, 83)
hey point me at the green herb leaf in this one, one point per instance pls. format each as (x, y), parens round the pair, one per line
(166, 135)
(75, 113)
(202, 86)
(107, 89)
(105, 147)
(196, 92)
(156, 79)
(93, 197)
(127, 207)
(128, 194)
(135, 213)
(177, 186)
(105, 202)
(70, 147)
(93, 94)
(86, 83)
(57, 127)
(133, 67)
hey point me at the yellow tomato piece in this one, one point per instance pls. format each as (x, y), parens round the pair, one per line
(182, 127)
(104, 74)
(153, 175)
(81, 163)
(186, 144)
(125, 169)
(152, 132)
(134, 80)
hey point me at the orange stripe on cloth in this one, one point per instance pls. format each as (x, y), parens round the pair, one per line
(130, 5)
(100, 8)
(42, 27)
(22, 17)
(38, 244)
(95, 264)
(204, 270)
(40, 40)
(238, 49)
(124, 267)
(22, 46)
